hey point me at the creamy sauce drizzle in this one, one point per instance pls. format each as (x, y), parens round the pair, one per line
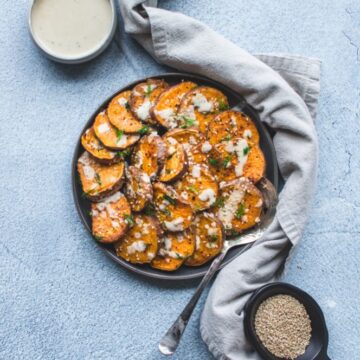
(71, 28)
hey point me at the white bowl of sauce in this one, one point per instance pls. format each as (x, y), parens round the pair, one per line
(72, 31)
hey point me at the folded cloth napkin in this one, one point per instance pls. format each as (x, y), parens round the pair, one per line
(284, 90)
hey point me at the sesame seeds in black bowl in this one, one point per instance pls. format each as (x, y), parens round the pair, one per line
(283, 322)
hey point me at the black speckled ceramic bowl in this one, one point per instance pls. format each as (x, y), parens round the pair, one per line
(83, 205)
(317, 349)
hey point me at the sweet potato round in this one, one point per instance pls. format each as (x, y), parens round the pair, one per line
(94, 147)
(140, 244)
(149, 155)
(99, 180)
(120, 116)
(111, 137)
(241, 206)
(230, 124)
(165, 109)
(143, 98)
(198, 187)
(138, 189)
(175, 248)
(109, 218)
(174, 213)
(199, 106)
(176, 163)
(209, 239)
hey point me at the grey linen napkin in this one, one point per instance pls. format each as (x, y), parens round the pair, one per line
(284, 89)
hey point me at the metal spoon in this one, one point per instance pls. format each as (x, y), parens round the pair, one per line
(171, 339)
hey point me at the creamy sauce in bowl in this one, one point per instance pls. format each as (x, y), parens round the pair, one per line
(71, 29)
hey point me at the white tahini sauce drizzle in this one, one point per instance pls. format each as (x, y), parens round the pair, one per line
(201, 103)
(168, 116)
(143, 110)
(71, 28)
(175, 225)
(103, 128)
(196, 170)
(239, 148)
(136, 246)
(206, 147)
(89, 171)
(248, 134)
(227, 212)
(122, 101)
(208, 195)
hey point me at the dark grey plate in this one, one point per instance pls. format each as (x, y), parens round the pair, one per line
(83, 205)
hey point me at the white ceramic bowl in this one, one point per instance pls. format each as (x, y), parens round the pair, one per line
(86, 56)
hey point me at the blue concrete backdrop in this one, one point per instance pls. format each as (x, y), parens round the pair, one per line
(60, 297)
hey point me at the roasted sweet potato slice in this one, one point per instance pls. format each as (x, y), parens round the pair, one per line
(138, 188)
(111, 137)
(230, 124)
(150, 154)
(143, 98)
(236, 158)
(198, 187)
(176, 161)
(174, 213)
(95, 148)
(109, 218)
(199, 106)
(165, 109)
(140, 244)
(120, 116)
(209, 239)
(240, 206)
(193, 142)
(99, 180)
(255, 166)
(175, 248)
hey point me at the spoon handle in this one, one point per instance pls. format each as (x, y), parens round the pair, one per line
(171, 339)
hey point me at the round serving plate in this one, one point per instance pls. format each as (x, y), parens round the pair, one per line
(83, 205)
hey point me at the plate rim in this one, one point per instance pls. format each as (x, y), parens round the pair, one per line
(133, 267)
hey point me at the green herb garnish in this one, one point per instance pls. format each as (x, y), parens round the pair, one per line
(169, 199)
(148, 90)
(98, 238)
(166, 212)
(246, 150)
(124, 153)
(178, 256)
(98, 179)
(193, 189)
(233, 232)
(213, 238)
(127, 106)
(240, 212)
(144, 130)
(226, 138)
(119, 134)
(187, 122)
(223, 106)
(227, 160)
(149, 210)
(129, 219)
(219, 203)
(214, 162)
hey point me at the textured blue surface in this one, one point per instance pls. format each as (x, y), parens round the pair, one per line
(60, 297)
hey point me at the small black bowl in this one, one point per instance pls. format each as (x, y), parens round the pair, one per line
(317, 349)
